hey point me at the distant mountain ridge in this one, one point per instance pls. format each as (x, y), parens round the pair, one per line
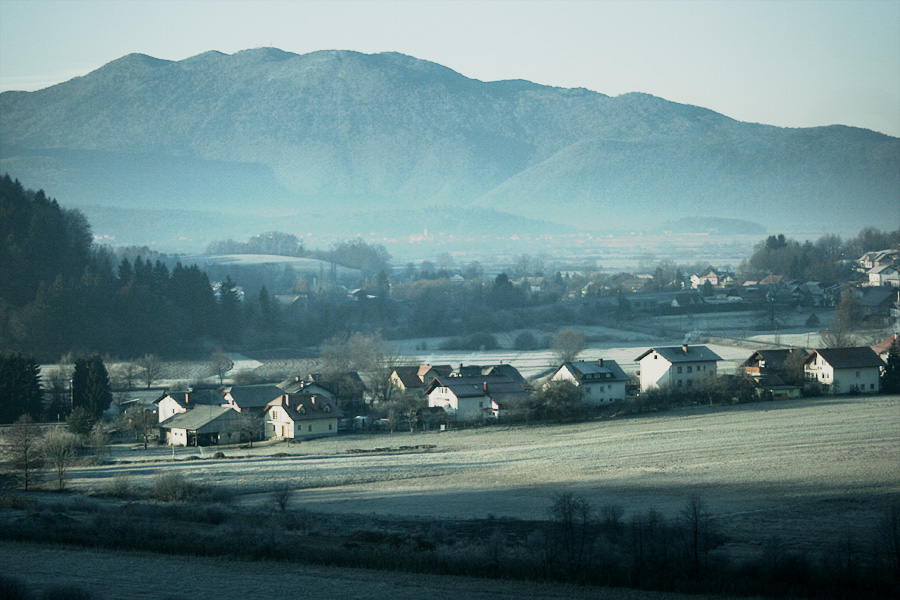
(281, 133)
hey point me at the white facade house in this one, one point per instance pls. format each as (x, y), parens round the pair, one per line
(475, 398)
(298, 416)
(600, 381)
(883, 275)
(845, 370)
(677, 367)
(173, 403)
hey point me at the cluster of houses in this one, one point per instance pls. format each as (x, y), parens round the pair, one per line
(306, 407)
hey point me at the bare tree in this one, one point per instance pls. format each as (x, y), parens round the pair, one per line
(282, 496)
(59, 449)
(150, 368)
(573, 516)
(837, 338)
(22, 448)
(251, 427)
(126, 375)
(98, 439)
(220, 364)
(567, 345)
(697, 523)
(143, 423)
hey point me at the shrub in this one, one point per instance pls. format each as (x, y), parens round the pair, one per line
(526, 341)
(16, 502)
(120, 487)
(14, 589)
(475, 341)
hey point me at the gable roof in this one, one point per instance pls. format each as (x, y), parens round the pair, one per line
(496, 387)
(191, 398)
(774, 359)
(848, 358)
(882, 347)
(307, 407)
(591, 370)
(253, 396)
(196, 418)
(409, 377)
(683, 353)
(485, 370)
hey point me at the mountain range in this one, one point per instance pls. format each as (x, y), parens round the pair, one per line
(326, 137)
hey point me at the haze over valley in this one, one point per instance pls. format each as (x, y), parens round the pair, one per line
(335, 144)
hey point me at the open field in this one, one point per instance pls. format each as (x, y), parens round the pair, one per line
(808, 471)
(127, 575)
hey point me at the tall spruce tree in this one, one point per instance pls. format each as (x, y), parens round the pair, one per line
(90, 386)
(20, 388)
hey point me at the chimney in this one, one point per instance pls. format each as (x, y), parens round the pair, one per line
(287, 399)
(684, 348)
(600, 362)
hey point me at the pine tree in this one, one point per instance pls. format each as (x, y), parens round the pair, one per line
(20, 388)
(890, 378)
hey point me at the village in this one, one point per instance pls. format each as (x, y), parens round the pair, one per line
(574, 380)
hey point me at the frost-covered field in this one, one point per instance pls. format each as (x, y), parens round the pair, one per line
(805, 470)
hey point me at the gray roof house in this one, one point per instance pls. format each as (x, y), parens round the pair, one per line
(202, 426)
(601, 381)
(676, 366)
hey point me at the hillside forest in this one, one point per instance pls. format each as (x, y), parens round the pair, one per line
(63, 293)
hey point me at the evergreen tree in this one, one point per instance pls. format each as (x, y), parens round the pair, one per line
(890, 378)
(20, 388)
(90, 386)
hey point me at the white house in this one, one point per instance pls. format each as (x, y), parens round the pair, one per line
(601, 381)
(883, 275)
(677, 367)
(845, 370)
(297, 416)
(173, 403)
(475, 398)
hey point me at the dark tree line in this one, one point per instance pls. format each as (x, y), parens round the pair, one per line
(61, 293)
(20, 388)
(822, 260)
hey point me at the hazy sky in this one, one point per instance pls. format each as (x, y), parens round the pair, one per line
(795, 64)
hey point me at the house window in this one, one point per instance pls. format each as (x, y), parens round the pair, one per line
(587, 391)
(857, 374)
(690, 369)
(309, 427)
(679, 369)
(329, 426)
(679, 383)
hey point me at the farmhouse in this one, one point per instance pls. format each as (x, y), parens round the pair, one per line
(250, 398)
(476, 398)
(202, 426)
(601, 381)
(845, 370)
(172, 403)
(676, 367)
(417, 378)
(297, 416)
